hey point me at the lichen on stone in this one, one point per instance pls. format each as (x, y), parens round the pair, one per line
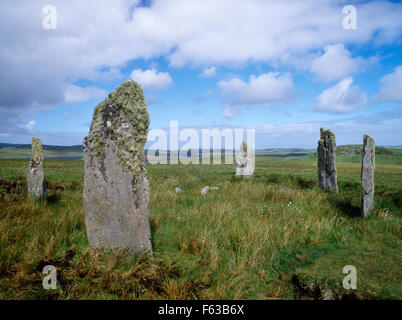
(122, 117)
(244, 148)
(37, 151)
(372, 149)
(325, 137)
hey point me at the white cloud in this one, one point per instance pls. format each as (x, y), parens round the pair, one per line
(227, 31)
(95, 38)
(75, 93)
(208, 72)
(335, 63)
(341, 98)
(270, 88)
(391, 89)
(30, 126)
(151, 79)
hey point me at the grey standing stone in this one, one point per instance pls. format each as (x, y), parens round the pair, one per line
(244, 165)
(326, 151)
(368, 166)
(116, 190)
(36, 174)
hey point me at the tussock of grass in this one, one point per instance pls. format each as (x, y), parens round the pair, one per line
(246, 240)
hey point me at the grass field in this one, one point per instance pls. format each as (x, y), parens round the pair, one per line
(274, 236)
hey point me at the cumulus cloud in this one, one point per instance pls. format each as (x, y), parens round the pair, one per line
(151, 79)
(341, 98)
(335, 63)
(208, 72)
(95, 38)
(306, 134)
(30, 126)
(391, 89)
(270, 88)
(75, 93)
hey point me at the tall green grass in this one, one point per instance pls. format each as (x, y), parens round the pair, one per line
(274, 236)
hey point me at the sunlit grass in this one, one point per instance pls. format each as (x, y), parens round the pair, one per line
(245, 240)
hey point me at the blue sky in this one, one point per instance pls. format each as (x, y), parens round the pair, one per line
(283, 69)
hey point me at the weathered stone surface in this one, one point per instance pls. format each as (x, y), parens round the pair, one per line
(367, 173)
(116, 190)
(244, 165)
(326, 151)
(36, 174)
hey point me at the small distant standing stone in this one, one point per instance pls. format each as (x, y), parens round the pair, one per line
(244, 165)
(36, 174)
(327, 161)
(205, 190)
(368, 166)
(116, 189)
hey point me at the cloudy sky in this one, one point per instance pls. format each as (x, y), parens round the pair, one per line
(285, 68)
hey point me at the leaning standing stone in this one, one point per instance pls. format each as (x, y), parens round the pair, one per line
(36, 175)
(326, 151)
(116, 190)
(368, 165)
(244, 165)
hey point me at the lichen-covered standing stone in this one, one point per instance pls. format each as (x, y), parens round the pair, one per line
(36, 174)
(327, 161)
(368, 166)
(116, 190)
(244, 165)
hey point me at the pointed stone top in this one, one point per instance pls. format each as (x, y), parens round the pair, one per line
(37, 151)
(326, 133)
(367, 136)
(123, 116)
(368, 141)
(244, 147)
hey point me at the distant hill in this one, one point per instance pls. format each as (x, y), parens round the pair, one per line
(352, 149)
(23, 151)
(77, 148)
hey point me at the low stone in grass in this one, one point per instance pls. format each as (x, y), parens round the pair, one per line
(205, 190)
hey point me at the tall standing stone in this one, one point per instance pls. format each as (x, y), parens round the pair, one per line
(368, 166)
(327, 161)
(116, 190)
(36, 174)
(244, 165)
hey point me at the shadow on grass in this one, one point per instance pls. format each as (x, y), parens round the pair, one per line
(345, 206)
(305, 183)
(53, 198)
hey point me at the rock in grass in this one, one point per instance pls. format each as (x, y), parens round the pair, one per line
(244, 166)
(36, 174)
(178, 190)
(367, 174)
(116, 190)
(205, 190)
(327, 161)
